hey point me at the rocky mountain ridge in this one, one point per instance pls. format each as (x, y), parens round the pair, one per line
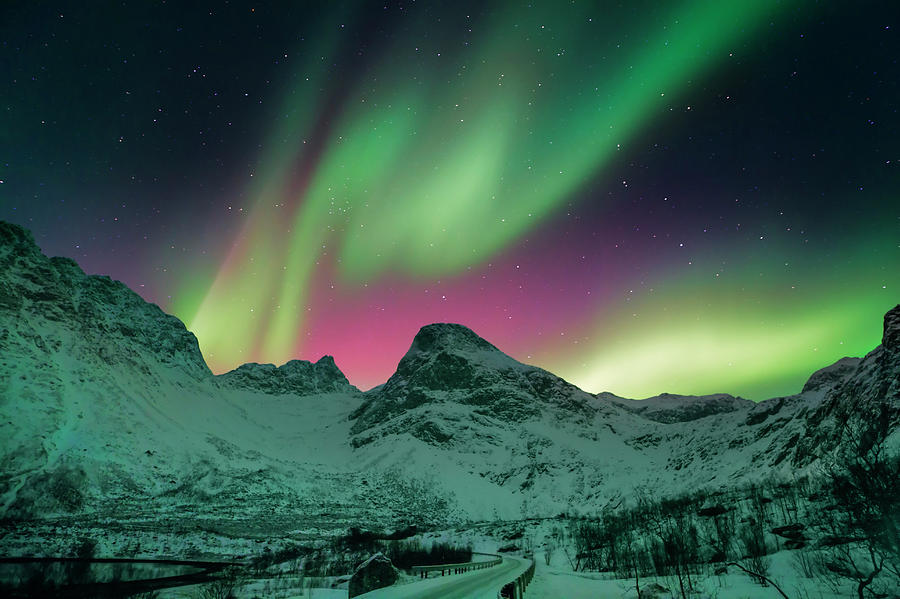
(869, 386)
(669, 408)
(116, 323)
(106, 400)
(525, 429)
(295, 377)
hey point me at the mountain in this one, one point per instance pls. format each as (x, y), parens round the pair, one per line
(296, 377)
(516, 434)
(869, 386)
(108, 325)
(108, 408)
(669, 408)
(449, 365)
(112, 422)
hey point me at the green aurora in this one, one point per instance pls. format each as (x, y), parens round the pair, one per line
(687, 197)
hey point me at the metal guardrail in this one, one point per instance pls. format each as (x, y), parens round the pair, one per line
(206, 571)
(516, 588)
(445, 569)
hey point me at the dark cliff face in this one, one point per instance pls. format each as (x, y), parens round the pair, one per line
(443, 357)
(876, 380)
(890, 340)
(871, 390)
(297, 377)
(43, 299)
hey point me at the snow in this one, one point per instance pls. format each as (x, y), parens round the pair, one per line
(558, 580)
(115, 430)
(284, 588)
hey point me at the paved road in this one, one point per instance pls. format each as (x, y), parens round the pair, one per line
(477, 584)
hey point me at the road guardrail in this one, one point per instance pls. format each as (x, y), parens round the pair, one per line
(516, 588)
(445, 569)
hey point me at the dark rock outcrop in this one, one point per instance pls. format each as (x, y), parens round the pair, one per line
(669, 408)
(440, 336)
(376, 572)
(890, 340)
(297, 377)
(790, 531)
(870, 393)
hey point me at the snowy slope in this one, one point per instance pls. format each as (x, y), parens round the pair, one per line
(521, 439)
(106, 403)
(107, 408)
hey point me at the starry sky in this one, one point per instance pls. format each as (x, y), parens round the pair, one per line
(642, 197)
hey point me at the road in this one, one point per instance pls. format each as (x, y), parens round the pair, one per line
(477, 584)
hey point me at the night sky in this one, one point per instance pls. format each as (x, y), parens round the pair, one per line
(641, 197)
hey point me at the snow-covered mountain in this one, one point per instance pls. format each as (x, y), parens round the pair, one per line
(449, 367)
(518, 435)
(107, 408)
(668, 408)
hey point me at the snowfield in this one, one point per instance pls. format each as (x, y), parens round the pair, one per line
(115, 431)
(552, 582)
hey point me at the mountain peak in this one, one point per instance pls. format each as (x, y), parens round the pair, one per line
(447, 356)
(51, 303)
(450, 371)
(327, 362)
(437, 337)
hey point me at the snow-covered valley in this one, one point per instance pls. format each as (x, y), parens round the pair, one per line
(114, 429)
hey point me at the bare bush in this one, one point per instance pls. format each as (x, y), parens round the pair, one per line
(863, 525)
(226, 586)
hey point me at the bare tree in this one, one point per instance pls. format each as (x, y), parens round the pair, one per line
(864, 484)
(549, 547)
(757, 575)
(226, 586)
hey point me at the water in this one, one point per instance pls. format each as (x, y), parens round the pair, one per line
(65, 572)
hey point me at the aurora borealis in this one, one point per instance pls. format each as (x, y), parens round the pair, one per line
(690, 197)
